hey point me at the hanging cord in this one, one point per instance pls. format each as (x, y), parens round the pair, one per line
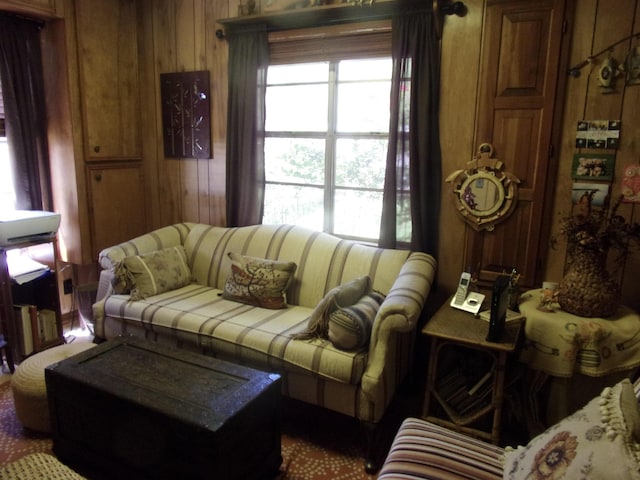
(575, 70)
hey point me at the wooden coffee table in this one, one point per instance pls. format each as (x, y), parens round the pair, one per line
(136, 409)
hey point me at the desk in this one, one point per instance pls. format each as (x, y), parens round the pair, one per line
(573, 358)
(448, 328)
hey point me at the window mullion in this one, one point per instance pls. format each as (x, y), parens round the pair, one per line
(330, 150)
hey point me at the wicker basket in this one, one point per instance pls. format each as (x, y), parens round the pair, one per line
(587, 290)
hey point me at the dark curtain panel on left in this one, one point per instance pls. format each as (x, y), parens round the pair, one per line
(25, 114)
(413, 175)
(248, 63)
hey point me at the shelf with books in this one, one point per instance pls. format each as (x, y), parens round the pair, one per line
(466, 372)
(29, 301)
(466, 395)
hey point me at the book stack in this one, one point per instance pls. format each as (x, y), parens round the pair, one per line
(465, 394)
(35, 327)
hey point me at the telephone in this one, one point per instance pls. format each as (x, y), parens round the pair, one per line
(465, 300)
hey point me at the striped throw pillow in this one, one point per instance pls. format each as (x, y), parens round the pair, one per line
(350, 327)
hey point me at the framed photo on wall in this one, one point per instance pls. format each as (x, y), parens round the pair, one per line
(598, 192)
(593, 166)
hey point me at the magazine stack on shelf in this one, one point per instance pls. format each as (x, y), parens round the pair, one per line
(23, 269)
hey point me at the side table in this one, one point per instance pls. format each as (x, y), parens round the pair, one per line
(465, 401)
(571, 358)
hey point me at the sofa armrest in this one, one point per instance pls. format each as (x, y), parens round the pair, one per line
(164, 237)
(104, 290)
(398, 313)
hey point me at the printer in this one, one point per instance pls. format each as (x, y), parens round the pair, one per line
(20, 226)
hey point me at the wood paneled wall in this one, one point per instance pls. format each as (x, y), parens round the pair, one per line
(179, 35)
(597, 25)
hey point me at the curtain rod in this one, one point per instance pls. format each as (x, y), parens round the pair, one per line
(304, 18)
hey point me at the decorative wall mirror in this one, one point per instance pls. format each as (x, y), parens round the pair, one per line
(483, 193)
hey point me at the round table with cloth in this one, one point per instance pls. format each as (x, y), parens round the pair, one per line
(573, 358)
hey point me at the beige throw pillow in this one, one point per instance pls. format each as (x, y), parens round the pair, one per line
(259, 282)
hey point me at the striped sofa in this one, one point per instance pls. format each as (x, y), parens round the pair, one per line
(360, 383)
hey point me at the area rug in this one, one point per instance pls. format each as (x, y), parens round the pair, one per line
(316, 444)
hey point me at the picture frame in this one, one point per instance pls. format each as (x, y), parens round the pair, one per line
(186, 114)
(593, 166)
(580, 190)
(598, 134)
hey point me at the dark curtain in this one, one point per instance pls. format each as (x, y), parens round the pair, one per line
(248, 63)
(25, 114)
(413, 175)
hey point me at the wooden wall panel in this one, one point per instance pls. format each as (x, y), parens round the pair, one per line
(217, 56)
(458, 96)
(164, 54)
(179, 35)
(598, 24)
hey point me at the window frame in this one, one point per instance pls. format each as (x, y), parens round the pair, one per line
(366, 40)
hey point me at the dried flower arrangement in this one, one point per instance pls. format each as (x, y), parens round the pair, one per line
(587, 289)
(601, 229)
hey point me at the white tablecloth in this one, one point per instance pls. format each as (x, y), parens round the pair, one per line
(561, 344)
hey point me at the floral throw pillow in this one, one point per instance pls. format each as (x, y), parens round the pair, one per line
(259, 282)
(599, 441)
(152, 273)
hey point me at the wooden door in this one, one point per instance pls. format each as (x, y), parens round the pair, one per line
(109, 81)
(523, 48)
(117, 207)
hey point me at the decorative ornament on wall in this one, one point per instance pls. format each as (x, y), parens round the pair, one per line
(483, 193)
(607, 75)
(186, 114)
(632, 67)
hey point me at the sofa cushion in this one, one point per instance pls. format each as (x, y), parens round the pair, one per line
(599, 441)
(257, 281)
(152, 273)
(198, 315)
(350, 326)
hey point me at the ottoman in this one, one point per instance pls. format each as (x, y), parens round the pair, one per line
(38, 466)
(29, 388)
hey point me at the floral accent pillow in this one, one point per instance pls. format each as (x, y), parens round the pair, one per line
(599, 441)
(152, 273)
(257, 281)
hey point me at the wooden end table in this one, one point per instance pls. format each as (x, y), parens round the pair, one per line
(465, 402)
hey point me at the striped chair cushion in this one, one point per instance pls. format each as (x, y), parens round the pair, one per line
(251, 335)
(423, 450)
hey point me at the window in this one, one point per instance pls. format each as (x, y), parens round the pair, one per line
(326, 136)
